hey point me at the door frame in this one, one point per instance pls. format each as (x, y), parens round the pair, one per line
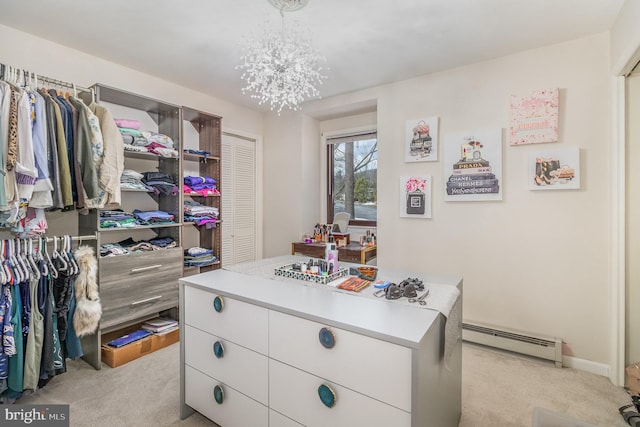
(618, 253)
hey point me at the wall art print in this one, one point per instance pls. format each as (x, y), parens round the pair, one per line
(415, 196)
(557, 169)
(421, 140)
(534, 117)
(473, 165)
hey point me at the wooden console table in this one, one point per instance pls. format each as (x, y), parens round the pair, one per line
(353, 252)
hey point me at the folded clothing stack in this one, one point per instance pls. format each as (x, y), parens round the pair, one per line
(200, 214)
(117, 219)
(145, 141)
(112, 249)
(154, 217)
(198, 152)
(132, 180)
(129, 245)
(200, 186)
(198, 257)
(161, 183)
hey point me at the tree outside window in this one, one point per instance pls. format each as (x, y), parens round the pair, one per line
(353, 167)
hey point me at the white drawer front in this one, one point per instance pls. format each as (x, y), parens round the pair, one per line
(238, 322)
(372, 367)
(240, 368)
(295, 393)
(237, 410)
(278, 420)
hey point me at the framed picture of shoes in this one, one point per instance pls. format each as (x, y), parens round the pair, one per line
(557, 169)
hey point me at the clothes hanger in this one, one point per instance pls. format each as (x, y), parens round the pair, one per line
(56, 255)
(52, 268)
(22, 260)
(3, 275)
(65, 253)
(24, 257)
(29, 257)
(36, 254)
(6, 268)
(76, 267)
(75, 261)
(25, 80)
(14, 264)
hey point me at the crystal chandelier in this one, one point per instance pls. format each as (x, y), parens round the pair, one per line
(281, 68)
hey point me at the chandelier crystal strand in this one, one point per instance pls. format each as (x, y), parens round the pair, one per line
(281, 68)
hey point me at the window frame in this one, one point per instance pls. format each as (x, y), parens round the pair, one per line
(330, 170)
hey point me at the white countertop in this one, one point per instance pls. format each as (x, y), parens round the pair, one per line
(402, 323)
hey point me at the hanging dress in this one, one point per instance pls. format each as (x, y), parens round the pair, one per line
(16, 362)
(35, 338)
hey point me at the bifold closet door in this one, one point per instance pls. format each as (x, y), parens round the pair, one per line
(238, 199)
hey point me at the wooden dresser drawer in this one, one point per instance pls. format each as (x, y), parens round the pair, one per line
(294, 393)
(135, 305)
(136, 285)
(140, 269)
(238, 322)
(240, 368)
(370, 366)
(236, 409)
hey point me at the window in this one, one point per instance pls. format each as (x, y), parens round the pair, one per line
(352, 178)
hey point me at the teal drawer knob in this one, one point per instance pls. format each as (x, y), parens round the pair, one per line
(218, 349)
(327, 395)
(327, 338)
(218, 394)
(218, 304)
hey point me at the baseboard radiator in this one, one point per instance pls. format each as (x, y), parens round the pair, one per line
(515, 341)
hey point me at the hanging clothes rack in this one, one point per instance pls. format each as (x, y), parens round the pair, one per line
(81, 238)
(40, 78)
(74, 238)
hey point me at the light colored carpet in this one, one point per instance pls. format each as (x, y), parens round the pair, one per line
(502, 389)
(498, 390)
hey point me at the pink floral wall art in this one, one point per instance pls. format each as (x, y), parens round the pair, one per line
(415, 196)
(534, 117)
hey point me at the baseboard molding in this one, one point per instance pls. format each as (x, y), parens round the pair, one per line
(585, 365)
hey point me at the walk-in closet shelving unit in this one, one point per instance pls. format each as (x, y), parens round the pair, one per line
(138, 286)
(208, 128)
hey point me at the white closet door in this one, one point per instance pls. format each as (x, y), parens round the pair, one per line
(238, 199)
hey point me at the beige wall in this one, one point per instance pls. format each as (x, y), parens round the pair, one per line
(286, 191)
(536, 261)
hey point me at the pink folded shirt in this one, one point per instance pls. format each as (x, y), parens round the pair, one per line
(127, 123)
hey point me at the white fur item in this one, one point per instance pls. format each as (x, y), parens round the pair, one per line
(88, 308)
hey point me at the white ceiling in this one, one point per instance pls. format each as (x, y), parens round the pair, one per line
(198, 43)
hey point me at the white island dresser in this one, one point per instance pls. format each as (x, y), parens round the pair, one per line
(258, 350)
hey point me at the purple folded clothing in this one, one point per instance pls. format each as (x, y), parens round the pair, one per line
(127, 123)
(199, 181)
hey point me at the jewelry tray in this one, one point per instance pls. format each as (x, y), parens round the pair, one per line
(288, 271)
